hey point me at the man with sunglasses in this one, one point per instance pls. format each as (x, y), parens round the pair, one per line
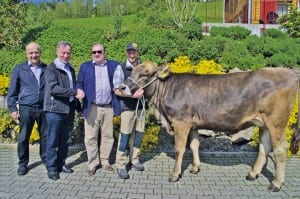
(95, 78)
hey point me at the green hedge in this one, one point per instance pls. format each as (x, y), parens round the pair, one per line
(231, 47)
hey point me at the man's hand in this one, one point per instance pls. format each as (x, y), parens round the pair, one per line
(80, 94)
(15, 115)
(138, 93)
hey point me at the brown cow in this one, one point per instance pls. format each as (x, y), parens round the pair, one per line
(229, 102)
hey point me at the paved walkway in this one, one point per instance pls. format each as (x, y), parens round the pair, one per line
(222, 176)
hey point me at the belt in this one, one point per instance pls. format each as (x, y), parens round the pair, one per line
(102, 105)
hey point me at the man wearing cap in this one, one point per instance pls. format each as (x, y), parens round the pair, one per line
(132, 121)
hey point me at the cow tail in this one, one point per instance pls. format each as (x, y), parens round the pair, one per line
(296, 136)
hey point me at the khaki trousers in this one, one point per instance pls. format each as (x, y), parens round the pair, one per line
(98, 123)
(130, 125)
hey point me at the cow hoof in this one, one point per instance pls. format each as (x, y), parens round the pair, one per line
(195, 171)
(273, 188)
(173, 178)
(251, 178)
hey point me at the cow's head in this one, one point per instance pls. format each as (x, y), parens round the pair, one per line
(142, 76)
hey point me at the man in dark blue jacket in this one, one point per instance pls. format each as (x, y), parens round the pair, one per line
(25, 102)
(95, 78)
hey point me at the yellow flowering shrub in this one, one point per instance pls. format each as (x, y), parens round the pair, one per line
(183, 64)
(11, 128)
(4, 84)
(34, 137)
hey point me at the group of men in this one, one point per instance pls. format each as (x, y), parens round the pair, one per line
(50, 95)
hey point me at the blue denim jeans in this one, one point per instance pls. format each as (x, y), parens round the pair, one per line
(28, 116)
(58, 135)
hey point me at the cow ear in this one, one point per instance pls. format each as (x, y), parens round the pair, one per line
(164, 72)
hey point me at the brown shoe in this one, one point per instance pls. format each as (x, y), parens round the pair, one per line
(91, 172)
(107, 167)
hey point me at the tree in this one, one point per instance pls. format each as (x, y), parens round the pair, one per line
(182, 11)
(291, 23)
(12, 21)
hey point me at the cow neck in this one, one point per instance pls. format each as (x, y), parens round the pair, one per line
(153, 92)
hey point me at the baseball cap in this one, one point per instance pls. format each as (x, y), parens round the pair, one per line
(132, 46)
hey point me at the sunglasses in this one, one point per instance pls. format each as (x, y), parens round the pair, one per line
(98, 51)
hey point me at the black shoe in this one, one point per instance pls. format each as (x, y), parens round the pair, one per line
(123, 173)
(22, 170)
(53, 175)
(67, 169)
(138, 166)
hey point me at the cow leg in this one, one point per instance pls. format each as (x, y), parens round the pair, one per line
(280, 148)
(181, 135)
(264, 149)
(194, 146)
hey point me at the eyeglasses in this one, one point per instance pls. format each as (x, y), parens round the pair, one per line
(98, 51)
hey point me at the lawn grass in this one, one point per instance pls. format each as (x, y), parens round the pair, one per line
(207, 11)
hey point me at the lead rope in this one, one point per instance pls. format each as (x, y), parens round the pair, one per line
(141, 100)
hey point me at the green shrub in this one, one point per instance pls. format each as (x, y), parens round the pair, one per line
(236, 55)
(10, 58)
(254, 45)
(274, 33)
(156, 20)
(281, 60)
(191, 30)
(209, 48)
(233, 32)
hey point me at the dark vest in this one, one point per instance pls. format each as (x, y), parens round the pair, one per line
(128, 103)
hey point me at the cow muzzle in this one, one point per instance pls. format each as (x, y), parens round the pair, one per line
(125, 90)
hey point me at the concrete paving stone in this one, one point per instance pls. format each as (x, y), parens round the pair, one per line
(91, 183)
(182, 196)
(167, 196)
(104, 195)
(145, 190)
(108, 184)
(6, 188)
(210, 192)
(147, 181)
(36, 190)
(72, 193)
(113, 190)
(129, 190)
(53, 191)
(162, 191)
(203, 197)
(136, 196)
(178, 191)
(85, 194)
(153, 186)
(222, 175)
(119, 195)
(153, 196)
(167, 185)
(96, 188)
(6, 194)
(21, 196)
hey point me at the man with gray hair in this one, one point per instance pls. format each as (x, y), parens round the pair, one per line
(25, 102)
(60, 103)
